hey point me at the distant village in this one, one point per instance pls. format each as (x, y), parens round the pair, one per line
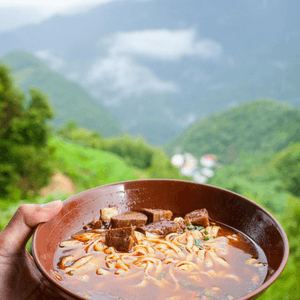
(200, 170)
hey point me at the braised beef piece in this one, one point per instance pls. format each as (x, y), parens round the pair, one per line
(128, 219)
(122, 239)
(161, 228)
(198, 217)
(95, 224)
(155, 215)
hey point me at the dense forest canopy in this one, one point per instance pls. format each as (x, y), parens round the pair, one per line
(258, 126)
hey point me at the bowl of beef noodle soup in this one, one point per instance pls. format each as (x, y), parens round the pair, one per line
(160, 239)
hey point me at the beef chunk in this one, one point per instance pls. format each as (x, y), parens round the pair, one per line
(122, 239)
(107, 213)
(96, 224)
(155, 215)
(198, 217)
(128, 219)
(161, 228)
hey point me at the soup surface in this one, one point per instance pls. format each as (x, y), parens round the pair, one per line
(195, 262)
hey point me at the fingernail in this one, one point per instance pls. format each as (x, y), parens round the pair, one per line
(50, 204)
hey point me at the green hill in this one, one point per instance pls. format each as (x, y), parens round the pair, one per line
(70, 101)
(258, 126)
(88, 167)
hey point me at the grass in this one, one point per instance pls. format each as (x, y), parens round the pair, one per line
(89, 168)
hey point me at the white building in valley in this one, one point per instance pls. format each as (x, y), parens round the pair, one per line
(200, 170)
(208, 161)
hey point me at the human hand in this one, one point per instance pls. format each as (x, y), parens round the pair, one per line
(19, 277)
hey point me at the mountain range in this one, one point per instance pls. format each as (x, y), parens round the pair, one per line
(160, 65)
(69, 100)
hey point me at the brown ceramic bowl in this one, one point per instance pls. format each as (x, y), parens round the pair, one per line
(180, 197)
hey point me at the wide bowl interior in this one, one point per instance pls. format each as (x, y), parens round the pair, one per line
(180, 197)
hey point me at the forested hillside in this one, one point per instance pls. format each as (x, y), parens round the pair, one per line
(136, 152)
(258, 126)
(68, 99)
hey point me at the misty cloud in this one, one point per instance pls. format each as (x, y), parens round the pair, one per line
(121, 73)
(163, 44)
(281, 65)
(125, 78)
(181, 121)
(187, 120)
(53, 61)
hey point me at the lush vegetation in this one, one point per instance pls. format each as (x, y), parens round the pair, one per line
(25, 161)
(88, 167)
(257, 126)
(135, 151)
(287, 164)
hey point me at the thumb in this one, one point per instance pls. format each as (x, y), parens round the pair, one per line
(20, 228)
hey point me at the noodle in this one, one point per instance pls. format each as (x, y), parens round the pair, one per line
(178, 260)
(144, 254)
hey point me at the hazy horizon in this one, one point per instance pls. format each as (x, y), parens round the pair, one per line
(17, 13)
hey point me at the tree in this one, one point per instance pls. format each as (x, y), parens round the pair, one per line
(25, 157)
(287, 163)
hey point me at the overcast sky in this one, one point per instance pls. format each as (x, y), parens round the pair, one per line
(50, 5)
(16, 13)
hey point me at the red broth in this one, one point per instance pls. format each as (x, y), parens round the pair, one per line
(245, 270)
